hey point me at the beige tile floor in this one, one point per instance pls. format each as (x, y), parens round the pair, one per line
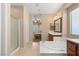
(31, 50)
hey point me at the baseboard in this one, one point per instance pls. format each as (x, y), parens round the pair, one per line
(14, 52)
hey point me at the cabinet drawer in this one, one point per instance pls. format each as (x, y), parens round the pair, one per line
(71, 46)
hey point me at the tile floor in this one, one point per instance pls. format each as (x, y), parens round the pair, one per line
(31, 50)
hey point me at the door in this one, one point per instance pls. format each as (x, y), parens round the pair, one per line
(15, 24)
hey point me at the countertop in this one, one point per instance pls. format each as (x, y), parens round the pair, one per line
(73, 40)
(54, 33)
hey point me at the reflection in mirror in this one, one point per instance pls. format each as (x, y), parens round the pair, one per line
(58, 25)
(51, 26)
(36, 23)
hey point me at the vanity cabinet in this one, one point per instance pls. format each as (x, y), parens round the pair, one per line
(50, 37)
(37, 37)
(78, 50)
(72, 48)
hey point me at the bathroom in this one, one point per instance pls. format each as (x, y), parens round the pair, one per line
(48, 31)
(40, 29)
(54, 33)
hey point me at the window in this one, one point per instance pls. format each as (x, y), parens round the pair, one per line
(74, 22)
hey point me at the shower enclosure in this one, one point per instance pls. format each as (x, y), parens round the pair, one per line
(15, 31)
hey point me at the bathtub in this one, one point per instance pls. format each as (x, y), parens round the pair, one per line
(53, 47)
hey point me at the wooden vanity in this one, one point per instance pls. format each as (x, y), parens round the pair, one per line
(73, 47)
(51, 35)
(37, 37)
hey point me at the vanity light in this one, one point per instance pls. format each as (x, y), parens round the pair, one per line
(56, 16)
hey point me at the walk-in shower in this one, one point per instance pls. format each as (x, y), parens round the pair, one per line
(15, 31)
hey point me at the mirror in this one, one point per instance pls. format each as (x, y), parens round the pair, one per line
(51, 26)
(58, 25)
(36, 23)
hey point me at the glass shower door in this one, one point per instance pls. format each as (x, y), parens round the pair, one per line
(15, 24)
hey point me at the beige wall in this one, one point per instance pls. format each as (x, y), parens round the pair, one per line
(58, 15)
(64, 23)
(26, 26)
(0, 28)
(30, 28)
(45, 26)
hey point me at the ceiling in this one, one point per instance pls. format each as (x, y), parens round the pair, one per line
(41, 8)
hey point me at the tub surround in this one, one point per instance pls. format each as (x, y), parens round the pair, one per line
(53, 47)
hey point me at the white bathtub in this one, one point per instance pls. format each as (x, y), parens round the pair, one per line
(55, 47)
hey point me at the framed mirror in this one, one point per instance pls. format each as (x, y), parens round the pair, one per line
(58, 25)
(51, 26)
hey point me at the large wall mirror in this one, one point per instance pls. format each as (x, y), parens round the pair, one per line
(58, 25)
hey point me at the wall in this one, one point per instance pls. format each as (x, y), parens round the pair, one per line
(45, 27)
(7, 29)
(0, 28)
(26, 26)
(30, 28)
(64, 23)
(3, 29)
(57, 15)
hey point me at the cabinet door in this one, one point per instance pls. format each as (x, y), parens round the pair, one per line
(78, 50)
(50, 37)
(71, 49)
(71, 53)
